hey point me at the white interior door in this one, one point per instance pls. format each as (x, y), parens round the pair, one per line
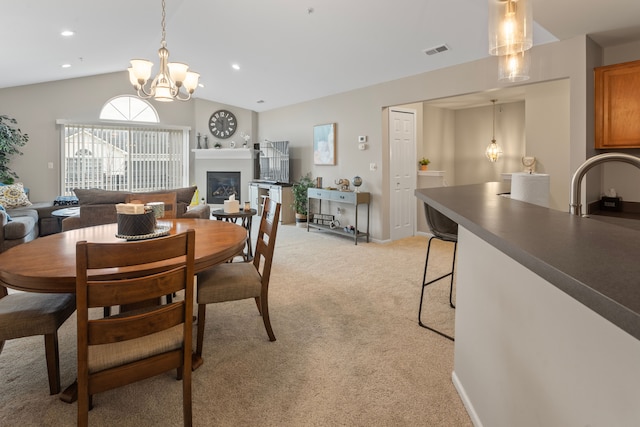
(402, 157)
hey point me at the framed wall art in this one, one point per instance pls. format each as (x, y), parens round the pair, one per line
(324, 144)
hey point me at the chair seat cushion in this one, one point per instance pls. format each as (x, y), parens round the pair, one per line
(24, 314)
(229, 282)
(106, 356)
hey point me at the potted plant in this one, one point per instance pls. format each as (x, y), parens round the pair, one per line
(423, 163)
(10, 139)
(300, 197)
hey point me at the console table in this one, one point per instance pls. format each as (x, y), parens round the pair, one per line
(335, 196)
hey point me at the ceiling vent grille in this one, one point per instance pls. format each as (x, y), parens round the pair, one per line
(437, 49)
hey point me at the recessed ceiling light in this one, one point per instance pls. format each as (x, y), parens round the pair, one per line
(66, 65)
(200, 84)
(235, 66)
(67, 33)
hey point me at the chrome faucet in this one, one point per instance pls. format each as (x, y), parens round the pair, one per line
(576, 180)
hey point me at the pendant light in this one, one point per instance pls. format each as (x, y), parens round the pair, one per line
(510, 37)
(514, 67)
(510, 26)
(171, 77)
(493, 151)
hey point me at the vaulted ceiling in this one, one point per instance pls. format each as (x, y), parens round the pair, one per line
(288, 51)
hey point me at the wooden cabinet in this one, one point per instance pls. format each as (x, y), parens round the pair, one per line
(617, 106)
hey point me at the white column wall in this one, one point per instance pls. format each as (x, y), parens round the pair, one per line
(527, 354)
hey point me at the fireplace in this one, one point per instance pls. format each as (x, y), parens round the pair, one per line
(221, 185)
(237, 161)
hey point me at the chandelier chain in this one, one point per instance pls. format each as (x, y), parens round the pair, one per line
(494, 119)
(163, 24)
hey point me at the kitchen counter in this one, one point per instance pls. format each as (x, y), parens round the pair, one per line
(547, 319)
(592, 260)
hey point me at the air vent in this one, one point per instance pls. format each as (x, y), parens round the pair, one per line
(437, 49)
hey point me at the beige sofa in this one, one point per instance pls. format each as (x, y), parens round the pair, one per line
(99, 206)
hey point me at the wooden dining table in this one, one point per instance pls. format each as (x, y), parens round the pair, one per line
(48, 264)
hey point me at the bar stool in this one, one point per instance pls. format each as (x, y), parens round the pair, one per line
(446, 230)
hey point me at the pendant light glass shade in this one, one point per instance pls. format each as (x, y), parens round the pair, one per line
(493, 151)
(510, 26)
(514, 67)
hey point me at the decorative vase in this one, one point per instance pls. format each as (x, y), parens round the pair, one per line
(423, 167)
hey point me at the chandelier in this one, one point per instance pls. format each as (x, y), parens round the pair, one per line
(493, 151)
(511, 36)
(172, 76)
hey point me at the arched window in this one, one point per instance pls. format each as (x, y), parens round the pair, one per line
(129, 108)
(127, 154)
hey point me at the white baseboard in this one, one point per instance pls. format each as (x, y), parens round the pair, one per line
(465, 400)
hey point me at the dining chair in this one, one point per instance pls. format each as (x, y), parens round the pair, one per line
(241, 280)
(169, 199)
(442, 228)
(133, 345)
(25, 314)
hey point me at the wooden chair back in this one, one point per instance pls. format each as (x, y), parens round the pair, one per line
(132, 345)
(266, 242)
(169, 199)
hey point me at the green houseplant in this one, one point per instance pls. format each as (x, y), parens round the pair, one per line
(300, 197)
(423, 163)
(11, 138)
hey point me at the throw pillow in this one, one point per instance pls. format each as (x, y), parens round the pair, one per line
(13, 196)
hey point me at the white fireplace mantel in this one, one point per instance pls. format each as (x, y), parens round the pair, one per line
(223, 153)
(224, 160)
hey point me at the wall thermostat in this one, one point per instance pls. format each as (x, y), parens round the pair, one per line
(362, 139)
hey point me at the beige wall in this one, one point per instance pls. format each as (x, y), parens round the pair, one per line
(547, 136)
(37, 107)
(439, 132)
(358, 112)
(361, 112)
(473, 134)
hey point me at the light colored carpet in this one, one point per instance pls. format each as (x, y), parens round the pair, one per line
(349, 351)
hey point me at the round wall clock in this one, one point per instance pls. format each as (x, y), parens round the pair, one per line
(223, 124)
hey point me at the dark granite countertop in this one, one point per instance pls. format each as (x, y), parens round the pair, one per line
(593, 261)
